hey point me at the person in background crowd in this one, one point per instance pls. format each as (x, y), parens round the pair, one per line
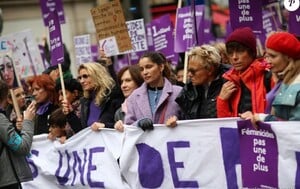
(7, 71)
(198, 97)
(43, 91)
(10, 112)
(130, 79)
(283, 54)
(14, 146)
(71, 106)
(154, 101)
(53, 72)
(57, 126)
(102, 97)
(179, 70)
(247, 83)
(221, 47)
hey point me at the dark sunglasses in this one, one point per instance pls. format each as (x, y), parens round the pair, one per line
(84, 76)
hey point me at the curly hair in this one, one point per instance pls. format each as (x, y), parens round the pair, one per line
(103, 81)
(44, 81)
(208, 54)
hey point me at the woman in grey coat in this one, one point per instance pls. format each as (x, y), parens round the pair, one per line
(14, 146)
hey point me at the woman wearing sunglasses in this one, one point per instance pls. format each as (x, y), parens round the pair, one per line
(101, 96)
(198, 97)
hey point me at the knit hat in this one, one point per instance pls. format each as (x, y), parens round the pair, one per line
(244, 36)
(285, 43)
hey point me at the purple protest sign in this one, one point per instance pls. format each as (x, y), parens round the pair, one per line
(95, 52)
(185, 37)
(162, 34)
(245, 13)
(56, 44)
(259, 155)
(294, 22)
(270, 23)
(149, 37)
(208, 36)
(48, 6)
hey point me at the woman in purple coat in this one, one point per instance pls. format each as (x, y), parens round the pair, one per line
(154, 101)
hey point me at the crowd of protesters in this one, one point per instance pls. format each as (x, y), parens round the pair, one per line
(223, 80)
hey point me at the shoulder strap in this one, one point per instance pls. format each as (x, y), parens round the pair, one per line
(14, 169)
(267, 80)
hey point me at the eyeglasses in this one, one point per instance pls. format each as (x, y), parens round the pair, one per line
(193, 71)
(84, 76)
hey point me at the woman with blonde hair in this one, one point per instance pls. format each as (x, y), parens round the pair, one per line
(198, 97)
(101, 96)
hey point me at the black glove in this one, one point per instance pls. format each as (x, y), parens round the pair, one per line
(145, 124)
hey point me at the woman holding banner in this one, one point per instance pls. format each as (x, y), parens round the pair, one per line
(129, 77)
(249, 79)
(283, 54)
(101, 96)
(198, 97)
(154, 101)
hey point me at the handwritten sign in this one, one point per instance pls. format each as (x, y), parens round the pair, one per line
(109, 21)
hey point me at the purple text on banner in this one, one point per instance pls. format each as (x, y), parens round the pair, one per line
(50, 6)
(246, 13)
(259, 155)
(185, 37)
(56, 44)
(163, 40)
(294, 22)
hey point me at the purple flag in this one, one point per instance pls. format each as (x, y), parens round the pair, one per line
(50, 6)
(270, 23)
(56, 44)
(163, 40)
(149, 37)
(185, 37)
(259, 155)
(95, 53)
(294, 22)
(246, 13)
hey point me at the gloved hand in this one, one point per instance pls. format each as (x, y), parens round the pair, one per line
(145, 124)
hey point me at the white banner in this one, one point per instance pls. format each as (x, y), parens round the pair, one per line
(195, 154)
(87, 160)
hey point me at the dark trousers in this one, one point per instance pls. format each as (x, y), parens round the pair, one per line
(12, 186)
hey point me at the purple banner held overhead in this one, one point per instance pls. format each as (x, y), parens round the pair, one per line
(149, 37)
(259, 155)
(50, 6)
(246, 13)
(163, 40)
(270, 23)
(56, 44)
(185, 37)
(294, 22)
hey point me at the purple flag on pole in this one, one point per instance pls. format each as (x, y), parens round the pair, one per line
(149, 37)
(56, 44)
(246, 13)
(163, 40)
(270, 23)
(50, 6)
(259, 155)
(185, 37)
(294, 22)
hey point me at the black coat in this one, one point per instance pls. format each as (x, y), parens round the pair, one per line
(108, 108)
(193, 102)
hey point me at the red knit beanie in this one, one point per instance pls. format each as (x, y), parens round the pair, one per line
(285, 43)
(244, 36)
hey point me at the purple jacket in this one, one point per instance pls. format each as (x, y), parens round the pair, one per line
(138, 106)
